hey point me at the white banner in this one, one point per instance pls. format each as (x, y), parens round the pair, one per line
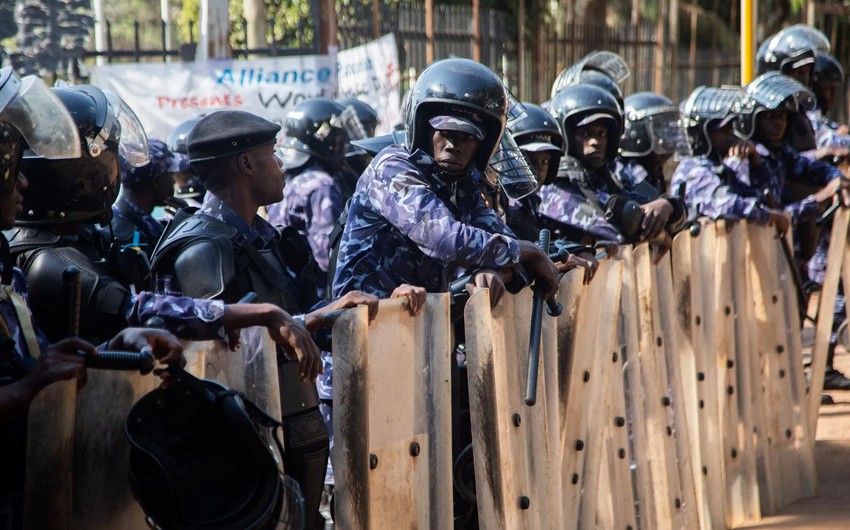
(371, 74)
(164, 95)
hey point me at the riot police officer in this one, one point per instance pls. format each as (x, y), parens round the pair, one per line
(187, 186)
(225, 250)
(314, 149)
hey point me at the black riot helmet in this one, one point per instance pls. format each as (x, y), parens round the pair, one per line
(772, 91)
(83, 189)
(461, 88)
(538, 131)
(318, 128)
(707, 108)
(177, 138)
(652, 125)
(365, 113)
(828, 77)
(601, 68)
(790, 48)
(578, 103)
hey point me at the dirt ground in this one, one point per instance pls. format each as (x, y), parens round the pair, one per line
(830, 510)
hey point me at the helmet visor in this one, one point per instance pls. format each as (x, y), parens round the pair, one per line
(770, 90)
(514, 173)
(516, 110)
(132, 140)
(668, 134)
(42, 120)
(710, 103)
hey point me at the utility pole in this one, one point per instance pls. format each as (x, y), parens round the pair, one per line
(660, 45)
(521, 64)
(748, 40)
(476, 29)
(376, 19)
(254, 12)
(213, 31)
(327, 26)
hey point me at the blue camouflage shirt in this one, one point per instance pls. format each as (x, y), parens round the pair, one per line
(409, 224)
(735, 189)
(312, 202)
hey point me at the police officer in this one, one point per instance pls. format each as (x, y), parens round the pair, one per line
(604, 69)
(28, 361)
(573, 205)
(715, 179)
(539, 137)
(187, 186)
(418, 216)
(314, 150)
(652, 134)
(64, 201)
(142, 189)
(225, 250)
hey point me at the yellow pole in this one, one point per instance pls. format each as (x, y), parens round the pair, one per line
(748, 41)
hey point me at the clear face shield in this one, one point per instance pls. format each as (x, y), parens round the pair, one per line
(40, 117)
(669, 136)
(132, 140)
(609, 63)
(349, 121)
(511, 169)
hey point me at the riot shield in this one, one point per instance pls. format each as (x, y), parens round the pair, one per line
(392, 417)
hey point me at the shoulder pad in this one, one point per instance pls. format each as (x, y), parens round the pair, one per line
(571, 169)
(23, 239)
(202, 245)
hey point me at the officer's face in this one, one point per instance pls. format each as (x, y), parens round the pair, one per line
(722, 139)
(826, 95)
(12, 204)
(454, 150)
(163, 185)
(803, 74)
(268, 171)
(540, 161)
(592, 141)
(770, 127)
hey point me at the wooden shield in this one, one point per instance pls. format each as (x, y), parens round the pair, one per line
(693, 281)
(50, 457)
(510, 439)
(392, 426)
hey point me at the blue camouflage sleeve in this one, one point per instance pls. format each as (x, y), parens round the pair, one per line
(187, 318)
(810, 171)
(706, 190)
(408, 203)
(326, 203)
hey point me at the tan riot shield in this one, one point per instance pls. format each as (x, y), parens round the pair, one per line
(691, 278)
(510, 438)
(50, 457)
(392, 417)
(591, 456)
(783, 477)
(101, 493)
(732, 340)
(657, 399)
(837, 259)
(681, 371)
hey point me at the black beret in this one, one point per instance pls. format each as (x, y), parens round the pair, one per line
(227, 133)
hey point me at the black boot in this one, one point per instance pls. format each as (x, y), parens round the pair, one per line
(832, 378)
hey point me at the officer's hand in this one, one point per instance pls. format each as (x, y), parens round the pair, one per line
(60, 362)
(834, 186)
(296, 343)
(539, 263)
(843, 130)
(745, 150)
(660, 246)
(779, 220)
(489, 279)
(585, 261)
(831, 152)
(160, 343)
(655, 216)
(353, 299)
(611, 248)
(415, 296)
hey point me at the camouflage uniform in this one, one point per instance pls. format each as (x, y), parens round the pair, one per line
(406, 225)
(523, 216)
(825, 130)
(312, 202)
(138, 228)
(735, 189)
